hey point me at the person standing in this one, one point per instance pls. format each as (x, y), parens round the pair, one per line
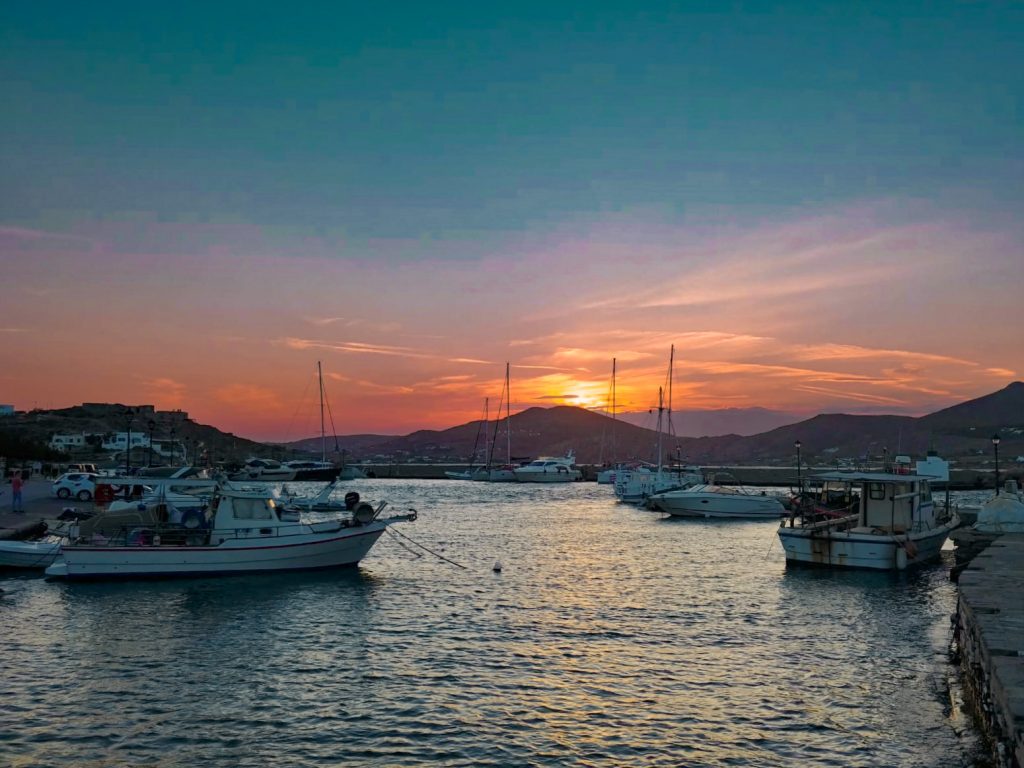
(16, 485)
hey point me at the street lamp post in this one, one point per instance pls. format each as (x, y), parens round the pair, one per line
(995, 447)
(799, 481)
(174, 448)
(129, 416)
(152, 425)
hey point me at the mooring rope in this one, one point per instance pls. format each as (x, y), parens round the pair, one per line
(426, 549)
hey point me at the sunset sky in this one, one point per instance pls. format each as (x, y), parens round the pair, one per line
(200, 200)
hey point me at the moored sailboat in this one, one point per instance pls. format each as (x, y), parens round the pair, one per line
(506, 472)
(634, 486)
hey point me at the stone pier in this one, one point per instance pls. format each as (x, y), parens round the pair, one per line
(990, 618)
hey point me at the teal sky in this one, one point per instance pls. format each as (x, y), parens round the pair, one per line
(818, 204)
(434, 120)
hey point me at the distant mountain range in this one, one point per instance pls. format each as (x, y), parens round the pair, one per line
(961, 430)
(723, 421)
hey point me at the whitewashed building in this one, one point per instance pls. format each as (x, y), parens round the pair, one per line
(118, 441)
(67, 443)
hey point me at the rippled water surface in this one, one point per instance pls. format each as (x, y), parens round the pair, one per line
(612, 636)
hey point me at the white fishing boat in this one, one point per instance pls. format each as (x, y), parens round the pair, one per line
(891, 523)
(549, 469)
(719, 502)
(242, 531)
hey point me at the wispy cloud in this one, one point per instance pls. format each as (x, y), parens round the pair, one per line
(356, 347)
(860, 397)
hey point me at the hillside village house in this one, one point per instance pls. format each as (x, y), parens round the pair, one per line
(114, 441)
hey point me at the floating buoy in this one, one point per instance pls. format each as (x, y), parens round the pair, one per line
(497, 567)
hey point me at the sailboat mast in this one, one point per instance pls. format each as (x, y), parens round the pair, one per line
(487, 419)
(671, 369)
(661, 411)
(323, 430)
(508, 415)
(613, 454)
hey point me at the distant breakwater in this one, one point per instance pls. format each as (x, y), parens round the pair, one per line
(960, 480)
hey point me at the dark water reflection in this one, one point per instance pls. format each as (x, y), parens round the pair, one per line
(611, 637)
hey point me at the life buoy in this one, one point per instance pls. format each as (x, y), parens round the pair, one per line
(193, 519)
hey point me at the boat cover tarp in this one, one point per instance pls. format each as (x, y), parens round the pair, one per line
(1002, 514)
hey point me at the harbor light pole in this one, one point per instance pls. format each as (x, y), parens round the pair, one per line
(799, 481)
(152, 425)
(995, 447)
(129, 416)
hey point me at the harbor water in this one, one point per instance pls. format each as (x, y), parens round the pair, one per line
(612, 636)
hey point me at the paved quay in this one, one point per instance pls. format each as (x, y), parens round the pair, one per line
(990, 617)
(39, 504)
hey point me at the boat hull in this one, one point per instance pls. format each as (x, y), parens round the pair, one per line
(322, 473)
(860, 549)
(501, 476)
(568, 476)
(28, 554)
(637, 486)
(308, 551)
(748, 508)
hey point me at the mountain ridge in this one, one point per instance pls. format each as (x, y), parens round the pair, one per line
(964, 429)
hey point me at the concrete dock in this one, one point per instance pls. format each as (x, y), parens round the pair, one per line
(990, 617)
(39, 504)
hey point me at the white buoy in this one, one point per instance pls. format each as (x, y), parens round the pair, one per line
(497, 567)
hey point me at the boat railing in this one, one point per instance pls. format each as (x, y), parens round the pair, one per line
(173, 535)
(816, 523)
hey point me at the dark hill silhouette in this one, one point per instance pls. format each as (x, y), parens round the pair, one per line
(961, 430)
(994, 411)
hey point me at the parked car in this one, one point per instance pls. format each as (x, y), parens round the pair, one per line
(81, 485)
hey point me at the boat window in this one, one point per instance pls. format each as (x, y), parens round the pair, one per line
(876, 490)
(251, 509)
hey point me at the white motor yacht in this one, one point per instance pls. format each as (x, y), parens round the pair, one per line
(549, 469)
(718, 501)
(264, 471)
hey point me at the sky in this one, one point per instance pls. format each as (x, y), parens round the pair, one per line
(817, 205)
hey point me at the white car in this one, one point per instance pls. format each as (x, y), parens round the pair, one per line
(81, 485)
